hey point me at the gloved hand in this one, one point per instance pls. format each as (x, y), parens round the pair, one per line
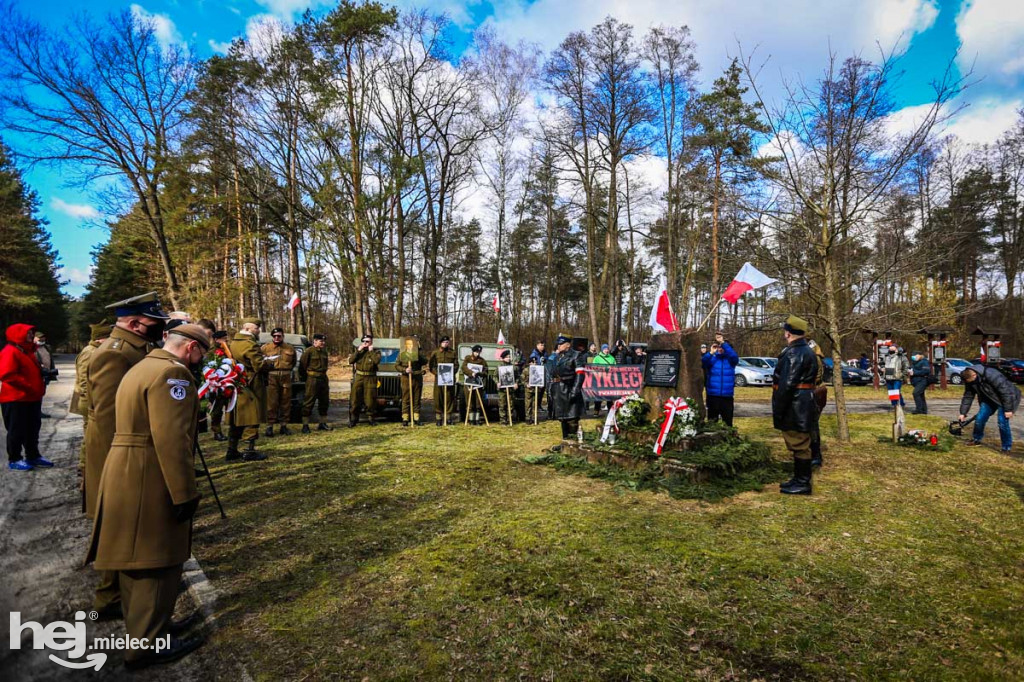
(186, 510)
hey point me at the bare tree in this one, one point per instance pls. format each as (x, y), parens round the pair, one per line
(107, 97)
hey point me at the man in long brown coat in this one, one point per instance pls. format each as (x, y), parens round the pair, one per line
(140, 324)
(98, 333)
(148, 492)
(250, 407)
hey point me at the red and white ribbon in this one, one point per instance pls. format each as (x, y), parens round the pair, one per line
(223, 381)
(672, 405)
(611, 421)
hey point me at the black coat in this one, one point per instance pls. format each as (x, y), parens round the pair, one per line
(565, 390)
(793, 408)
(922, 370)
(991, 387)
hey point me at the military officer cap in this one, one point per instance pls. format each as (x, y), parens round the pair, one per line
(194, 332)
(477, 348)
(445, 338)
(144, 304)
(367, 337)
(795, 325)
(253, 320)
(277, 330)
(99, 331)
(562, 338)
(505, 353)
(319, 337)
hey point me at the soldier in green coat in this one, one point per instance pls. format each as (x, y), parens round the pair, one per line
(250, 408)
(474, 414)
(444, 396)
(412, 364)
(313, 370)
(364, 361)
(80, 398)
(507, 411)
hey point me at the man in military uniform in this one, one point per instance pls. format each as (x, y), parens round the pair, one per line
(444, 396)
(793, 409)
(506, 412)
(412, 364)
(279, 358)
(148, 493)
(313, 371)
(565, 393)
(532, 395)
(80, 398)
(217, 354)
(140, 325)
(250, 406)
(365, 361)
(472, 401)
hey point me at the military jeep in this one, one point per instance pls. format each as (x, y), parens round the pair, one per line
(490, 354)
(301, 343)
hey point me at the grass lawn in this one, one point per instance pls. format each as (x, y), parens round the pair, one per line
(389, 554)
(751, 394)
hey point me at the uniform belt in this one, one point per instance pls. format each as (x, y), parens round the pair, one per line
(316, 374)
(132, 439)
(799, 387)
(556, 380)
(366, 374)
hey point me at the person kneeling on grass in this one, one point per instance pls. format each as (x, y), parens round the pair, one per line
(995, 395)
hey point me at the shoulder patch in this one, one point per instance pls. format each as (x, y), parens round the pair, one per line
(116, 344)
(178, 382)
(178, 364)
(178, 392)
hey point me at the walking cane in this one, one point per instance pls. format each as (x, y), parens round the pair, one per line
(206, 470)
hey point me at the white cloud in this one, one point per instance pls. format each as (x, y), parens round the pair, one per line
(220, 48)
(166, 32)
(288, 10)
(263, 32)
(980, 122)
(991, 35)
(80, 211)
(76, 277)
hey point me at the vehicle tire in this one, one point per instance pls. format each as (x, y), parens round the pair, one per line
(741, 380)
(956, 380)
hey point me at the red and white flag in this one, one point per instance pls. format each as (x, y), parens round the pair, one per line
(983, 354)
(749, 279)
(293, 302)
(496, 304)
(662, 317)
(501, 338)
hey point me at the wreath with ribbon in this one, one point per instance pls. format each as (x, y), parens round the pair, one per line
(223, 378)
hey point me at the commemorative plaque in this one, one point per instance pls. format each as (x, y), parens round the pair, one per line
(662, 368)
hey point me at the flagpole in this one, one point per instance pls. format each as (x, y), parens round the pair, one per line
(710, 313)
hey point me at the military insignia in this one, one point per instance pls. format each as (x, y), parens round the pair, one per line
(178, 392)
(179, 382)
(116, 344)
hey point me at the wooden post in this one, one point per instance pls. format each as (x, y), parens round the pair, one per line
(508, 401)
(444, 391)
(469, 406)
(942, 366)
(536, 392)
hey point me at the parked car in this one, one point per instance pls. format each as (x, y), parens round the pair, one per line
(762, 362)
(953, 368)
(389, 387)
(301, 343)
(1013, 368)
(855, 376)
(749, 375)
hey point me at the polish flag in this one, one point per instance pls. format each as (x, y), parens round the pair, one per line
(496, 305)
(894, 394)
(501, 338)
(662, 317)
(748, 279)
(984, 354)
(293, 302)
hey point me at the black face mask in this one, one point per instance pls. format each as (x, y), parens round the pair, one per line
(155, 332)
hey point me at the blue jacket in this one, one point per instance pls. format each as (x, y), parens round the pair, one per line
(721, 371)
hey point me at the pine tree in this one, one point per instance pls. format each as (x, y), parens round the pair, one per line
(29, 282)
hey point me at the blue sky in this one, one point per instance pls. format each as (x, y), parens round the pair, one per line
(794, 35)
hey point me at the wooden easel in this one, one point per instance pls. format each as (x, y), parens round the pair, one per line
(508, 399)
(475, 391)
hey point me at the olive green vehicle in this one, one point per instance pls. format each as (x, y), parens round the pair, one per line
(389, 386)
(301, 343)
(490, 354)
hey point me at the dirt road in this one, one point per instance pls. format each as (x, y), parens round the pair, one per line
(43, 537)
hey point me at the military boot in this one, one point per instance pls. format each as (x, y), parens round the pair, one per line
(269, 433)
(250, 454)
(323, 425)
(816, 454)
(305, 425)
(233, 455)
(218, 435)
(416, 419)
(800, 484)
(284, 430)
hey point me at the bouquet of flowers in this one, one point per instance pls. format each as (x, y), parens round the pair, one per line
(222, 378)
(680, 422)
(918, 438)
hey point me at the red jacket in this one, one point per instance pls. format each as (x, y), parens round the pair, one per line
(21, 380)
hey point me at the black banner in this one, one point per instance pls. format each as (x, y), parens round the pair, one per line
(610, 382)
